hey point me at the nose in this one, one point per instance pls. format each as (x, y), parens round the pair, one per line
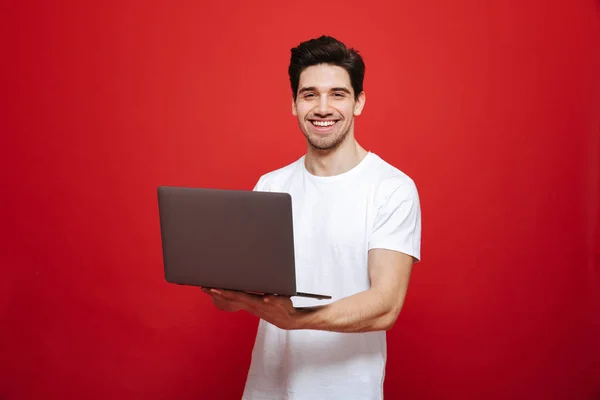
(323, 108)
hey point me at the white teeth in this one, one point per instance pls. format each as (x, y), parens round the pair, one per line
(323, 123)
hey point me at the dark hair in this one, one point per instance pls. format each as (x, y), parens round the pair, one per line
(326, 50)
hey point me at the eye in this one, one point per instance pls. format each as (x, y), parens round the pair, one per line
(309, 95)
(339, 95)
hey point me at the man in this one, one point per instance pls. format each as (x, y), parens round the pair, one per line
(357, 229)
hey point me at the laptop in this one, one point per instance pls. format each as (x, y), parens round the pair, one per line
(229, 239)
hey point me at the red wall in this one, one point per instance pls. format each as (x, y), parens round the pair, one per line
(492, 107)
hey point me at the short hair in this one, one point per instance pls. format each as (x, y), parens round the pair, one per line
(326, 50)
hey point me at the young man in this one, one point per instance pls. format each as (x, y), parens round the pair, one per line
(357, 229)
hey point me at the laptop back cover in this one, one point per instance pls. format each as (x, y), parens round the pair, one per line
(230, 239)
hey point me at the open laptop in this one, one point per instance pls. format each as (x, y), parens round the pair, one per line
(229, 239)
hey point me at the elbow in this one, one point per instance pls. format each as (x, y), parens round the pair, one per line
(389, 319)
(388, 323)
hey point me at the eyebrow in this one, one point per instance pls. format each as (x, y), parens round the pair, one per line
(314, 89)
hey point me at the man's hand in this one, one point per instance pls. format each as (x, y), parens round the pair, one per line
(375, 309)
(277, 310)
(223, 304)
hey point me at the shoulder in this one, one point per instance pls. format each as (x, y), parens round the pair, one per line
(392, 182)
(278, 177)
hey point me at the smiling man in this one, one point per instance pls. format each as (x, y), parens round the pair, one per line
(357, 232)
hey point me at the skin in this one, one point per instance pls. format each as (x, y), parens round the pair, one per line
(325, 94)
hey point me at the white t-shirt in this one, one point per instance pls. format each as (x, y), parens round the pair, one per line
(337, 220)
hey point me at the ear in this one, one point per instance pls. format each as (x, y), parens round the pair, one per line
(360, 103)
(294, 111)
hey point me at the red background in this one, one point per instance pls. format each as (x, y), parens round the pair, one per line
(492, 107)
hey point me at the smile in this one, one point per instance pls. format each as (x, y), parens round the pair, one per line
(323, 123)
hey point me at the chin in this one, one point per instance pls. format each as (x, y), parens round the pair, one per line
(325, 145)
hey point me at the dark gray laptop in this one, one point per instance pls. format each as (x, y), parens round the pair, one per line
(229, 239)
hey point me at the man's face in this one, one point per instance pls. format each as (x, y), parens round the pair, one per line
(326, 105)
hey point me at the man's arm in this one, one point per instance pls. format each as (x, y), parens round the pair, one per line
(397, 226)
(374, 309)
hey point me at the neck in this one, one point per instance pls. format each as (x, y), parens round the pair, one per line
(334, 162)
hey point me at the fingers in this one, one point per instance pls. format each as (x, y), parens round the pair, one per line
(212, 291)
(232, 295)
(245, 298)
(276, 299)
(221, 302)
(271, 298)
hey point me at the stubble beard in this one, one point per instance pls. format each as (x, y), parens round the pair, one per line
(326, 144)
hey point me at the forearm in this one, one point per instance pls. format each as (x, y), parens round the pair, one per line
(363, 312)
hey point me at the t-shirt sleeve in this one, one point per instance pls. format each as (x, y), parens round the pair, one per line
(397, 224)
